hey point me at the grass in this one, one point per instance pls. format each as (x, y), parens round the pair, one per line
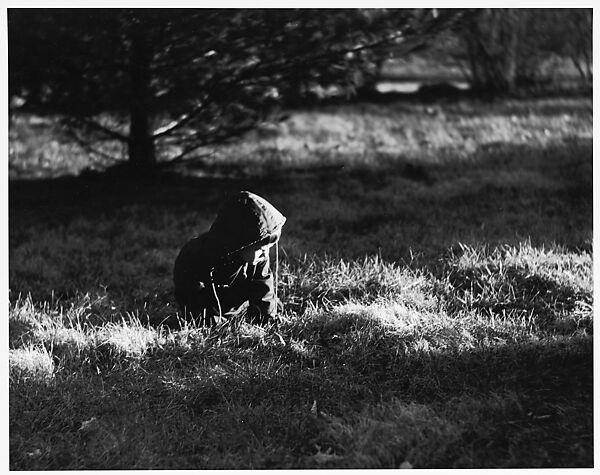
(437, 282)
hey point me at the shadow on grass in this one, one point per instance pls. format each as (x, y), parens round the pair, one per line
(347, 375)
(251, 396)
(90, 193)
(226, 401)
(508, 195)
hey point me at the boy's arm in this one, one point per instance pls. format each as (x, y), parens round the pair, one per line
(261, 295)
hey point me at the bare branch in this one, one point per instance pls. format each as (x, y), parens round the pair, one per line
(180, 122)
(217, 138)
(86, 145)
(98, 128)
(183, 157)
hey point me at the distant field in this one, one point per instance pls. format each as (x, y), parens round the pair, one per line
(444, 67)
(436, 275)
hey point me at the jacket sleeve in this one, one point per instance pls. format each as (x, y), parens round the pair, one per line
(261, 295)
(192, 265)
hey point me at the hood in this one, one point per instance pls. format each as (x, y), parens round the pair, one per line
(245, 219)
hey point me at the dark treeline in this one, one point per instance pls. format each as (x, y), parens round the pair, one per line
(165, 83)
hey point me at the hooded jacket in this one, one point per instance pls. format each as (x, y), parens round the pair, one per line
(212, 260)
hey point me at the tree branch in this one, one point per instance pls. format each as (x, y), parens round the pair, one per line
(214, 140)
(180, 122)
(98, 128)
(182, 157)
(86, 145)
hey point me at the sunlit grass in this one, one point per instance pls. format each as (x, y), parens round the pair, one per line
(342, 351)
(348, 136)
(431, 323)
(30, 363)
(358, 136)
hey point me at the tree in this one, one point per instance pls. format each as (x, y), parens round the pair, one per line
(561, 32)
(492, 37)
(580, 47)
(506, 47)
(425, 28)
(166, 82)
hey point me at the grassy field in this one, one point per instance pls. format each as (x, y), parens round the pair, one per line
(436, 275)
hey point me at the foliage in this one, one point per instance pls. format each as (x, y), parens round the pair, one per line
(508, 47)
(188, 78)
(559, 32)
(492, 39)
(431, 323)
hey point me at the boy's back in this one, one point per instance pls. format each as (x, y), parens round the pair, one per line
(212, 275)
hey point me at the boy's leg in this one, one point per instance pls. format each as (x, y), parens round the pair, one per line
(233, 304)
(200, 305)
(193, 305)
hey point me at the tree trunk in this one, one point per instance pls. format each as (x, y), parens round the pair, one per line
(493, 48)
(514, 24)
(142, 156)
(142, 153)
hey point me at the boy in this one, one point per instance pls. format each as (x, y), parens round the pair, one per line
(219, 271)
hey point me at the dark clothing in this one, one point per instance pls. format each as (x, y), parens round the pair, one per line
(209, 275)
(234, 283)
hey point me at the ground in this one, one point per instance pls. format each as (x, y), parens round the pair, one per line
(436, 276)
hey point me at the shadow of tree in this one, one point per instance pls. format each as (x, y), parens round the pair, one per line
(258, 389)
(232, 391)
(88, 195)
(374, 210)
(544, 381)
